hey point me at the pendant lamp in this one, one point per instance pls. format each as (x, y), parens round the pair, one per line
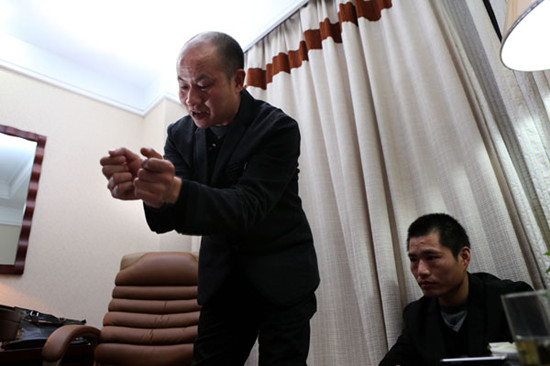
(526, 42)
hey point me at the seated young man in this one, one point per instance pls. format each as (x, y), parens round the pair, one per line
(460, 312)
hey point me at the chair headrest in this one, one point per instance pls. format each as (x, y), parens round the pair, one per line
(159, 268)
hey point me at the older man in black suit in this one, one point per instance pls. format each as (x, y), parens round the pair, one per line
(460, 313)
(230, 174)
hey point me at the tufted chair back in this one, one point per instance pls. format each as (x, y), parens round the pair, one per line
(153, 315)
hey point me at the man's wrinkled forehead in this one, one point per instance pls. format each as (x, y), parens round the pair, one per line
(424, 251)
(433, 231)
(198, 79)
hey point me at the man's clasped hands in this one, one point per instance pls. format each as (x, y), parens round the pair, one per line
(151, 179)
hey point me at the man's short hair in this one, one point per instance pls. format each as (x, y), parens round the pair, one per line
(230, 53)
(451, 234)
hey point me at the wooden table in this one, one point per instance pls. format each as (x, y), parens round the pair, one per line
(77, 355)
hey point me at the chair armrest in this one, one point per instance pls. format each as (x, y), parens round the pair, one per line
(58, 342)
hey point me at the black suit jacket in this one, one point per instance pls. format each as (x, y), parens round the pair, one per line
(248, 213)
(422, 340)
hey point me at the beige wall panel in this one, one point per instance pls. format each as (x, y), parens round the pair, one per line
(79, 233)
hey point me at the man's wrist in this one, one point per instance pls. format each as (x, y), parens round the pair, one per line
(173, 192)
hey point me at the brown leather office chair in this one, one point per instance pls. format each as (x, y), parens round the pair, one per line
(152, 317)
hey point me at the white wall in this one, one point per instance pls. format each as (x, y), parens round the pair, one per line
(79, 233)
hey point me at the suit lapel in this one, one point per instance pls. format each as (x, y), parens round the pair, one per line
(200, 156)
(476, 316)
(236, 130)
(229, 145)
(434, 336)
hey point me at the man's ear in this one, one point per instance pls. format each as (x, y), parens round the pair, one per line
(239, 77)
(465, 255)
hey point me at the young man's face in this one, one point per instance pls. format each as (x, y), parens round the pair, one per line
(205, 91)
(436, 270)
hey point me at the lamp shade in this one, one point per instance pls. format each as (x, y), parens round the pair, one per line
(526, 42)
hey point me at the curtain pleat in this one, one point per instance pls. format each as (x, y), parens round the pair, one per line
(515, 118)
(396, 123)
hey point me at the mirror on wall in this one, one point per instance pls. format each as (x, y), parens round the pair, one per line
(21, 155)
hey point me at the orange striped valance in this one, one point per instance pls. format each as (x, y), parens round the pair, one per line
(348, 12)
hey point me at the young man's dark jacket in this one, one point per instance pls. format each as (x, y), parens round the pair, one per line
(422, 340)
(248, 211)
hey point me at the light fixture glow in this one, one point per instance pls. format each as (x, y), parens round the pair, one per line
(525, 46)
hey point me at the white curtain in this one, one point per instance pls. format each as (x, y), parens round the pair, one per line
(405, 109)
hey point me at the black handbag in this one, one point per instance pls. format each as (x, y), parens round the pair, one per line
(35, 328)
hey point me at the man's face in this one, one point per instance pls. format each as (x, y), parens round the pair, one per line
(437, 271)
(205, 91)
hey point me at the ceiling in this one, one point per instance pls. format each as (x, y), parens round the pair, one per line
(122, 52)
